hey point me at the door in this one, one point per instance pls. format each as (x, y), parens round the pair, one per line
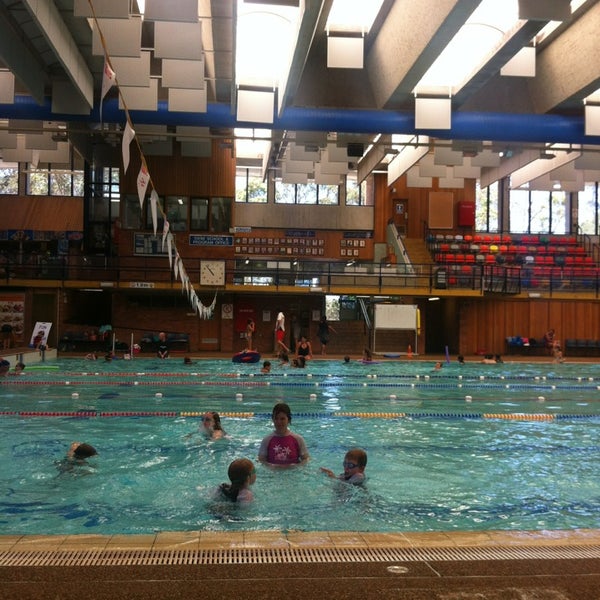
(401, 215)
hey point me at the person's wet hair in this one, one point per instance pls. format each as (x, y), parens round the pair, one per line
(282, 407)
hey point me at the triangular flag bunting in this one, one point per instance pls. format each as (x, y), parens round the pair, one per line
(128, 136)
(143, 179)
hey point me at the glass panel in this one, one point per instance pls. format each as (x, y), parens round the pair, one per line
(353, 191)
(9, 178)
(220, 215)
(559, 203)
(588, 209)
(60, 183)
(37, 182)
(285, 193)
(329, 194)
(177, 212)
(249, 186)
(540, 212)
(132, 215)
(199, 214)
(519, 211)
(306, 193)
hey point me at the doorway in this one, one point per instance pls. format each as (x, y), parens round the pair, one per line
(401, 215)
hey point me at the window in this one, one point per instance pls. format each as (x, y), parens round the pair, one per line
(306, 193)
(519, 211)
(486, 208)
(49, 181)
(199, 214)
(132, 215)
(37, 182)
(356, 194)
(9, 178)
(538, 211)
(249, 186)
(588, 209)
(220, 215)
(176, 209)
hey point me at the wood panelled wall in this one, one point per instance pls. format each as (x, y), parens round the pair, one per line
(485, 323)
(418, 203)
(186, 176)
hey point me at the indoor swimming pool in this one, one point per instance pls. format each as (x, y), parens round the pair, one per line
(466, 447)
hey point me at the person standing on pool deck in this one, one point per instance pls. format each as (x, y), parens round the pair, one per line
(323, 333)
(280, 332)
(283, 448)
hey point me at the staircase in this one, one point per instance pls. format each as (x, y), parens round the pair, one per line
(417, 251)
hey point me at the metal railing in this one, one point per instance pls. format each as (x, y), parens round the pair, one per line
(317, 276)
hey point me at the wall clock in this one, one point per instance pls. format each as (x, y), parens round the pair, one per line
(212, 272)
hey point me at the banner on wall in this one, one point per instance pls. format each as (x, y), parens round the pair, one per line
(39, 337)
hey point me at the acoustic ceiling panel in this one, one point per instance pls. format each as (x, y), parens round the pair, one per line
(187, 100)
(183, 74)
(122, 37)
(178, 40)
(133, 71)
(103, 9)
(139, 98)
(182, 11)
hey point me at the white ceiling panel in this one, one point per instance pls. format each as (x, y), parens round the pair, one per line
(139, 98)
(40, 142)
(103, 9)
(178, 40)
(428, 169)
(414, 179)
(487, 158)
(296, 152)
(132, 71)
(183, 74)
(7, 87)
(447, 156)
(122, 37)
(325, 178)
(184, 133)
(187, 100)
(467, 170)
(182, 10)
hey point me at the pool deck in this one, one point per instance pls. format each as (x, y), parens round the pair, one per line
(485, 565)
(499, 565)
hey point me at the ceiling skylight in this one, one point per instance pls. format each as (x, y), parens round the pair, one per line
(353, 15)
(481, 34)
(266, 36)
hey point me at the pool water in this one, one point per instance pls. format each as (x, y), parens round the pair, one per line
(470, 447)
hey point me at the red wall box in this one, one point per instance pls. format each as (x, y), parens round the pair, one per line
(466, 213)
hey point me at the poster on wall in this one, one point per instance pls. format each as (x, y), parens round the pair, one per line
(39, 337)
(12, 314)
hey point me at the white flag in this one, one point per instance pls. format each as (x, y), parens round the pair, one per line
(165, 232)
(128, 136)
(143, 179)
(153, 209)
(109, 78)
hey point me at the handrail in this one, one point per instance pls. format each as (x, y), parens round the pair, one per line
(365, 313)
(337, 277)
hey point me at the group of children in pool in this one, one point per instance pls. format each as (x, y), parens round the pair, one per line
(282, 448)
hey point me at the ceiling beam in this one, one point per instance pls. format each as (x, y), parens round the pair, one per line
(19, 59)
(573, 59)
(410, 40)
(57, 34)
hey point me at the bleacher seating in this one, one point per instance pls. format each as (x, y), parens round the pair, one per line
(545, 260)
